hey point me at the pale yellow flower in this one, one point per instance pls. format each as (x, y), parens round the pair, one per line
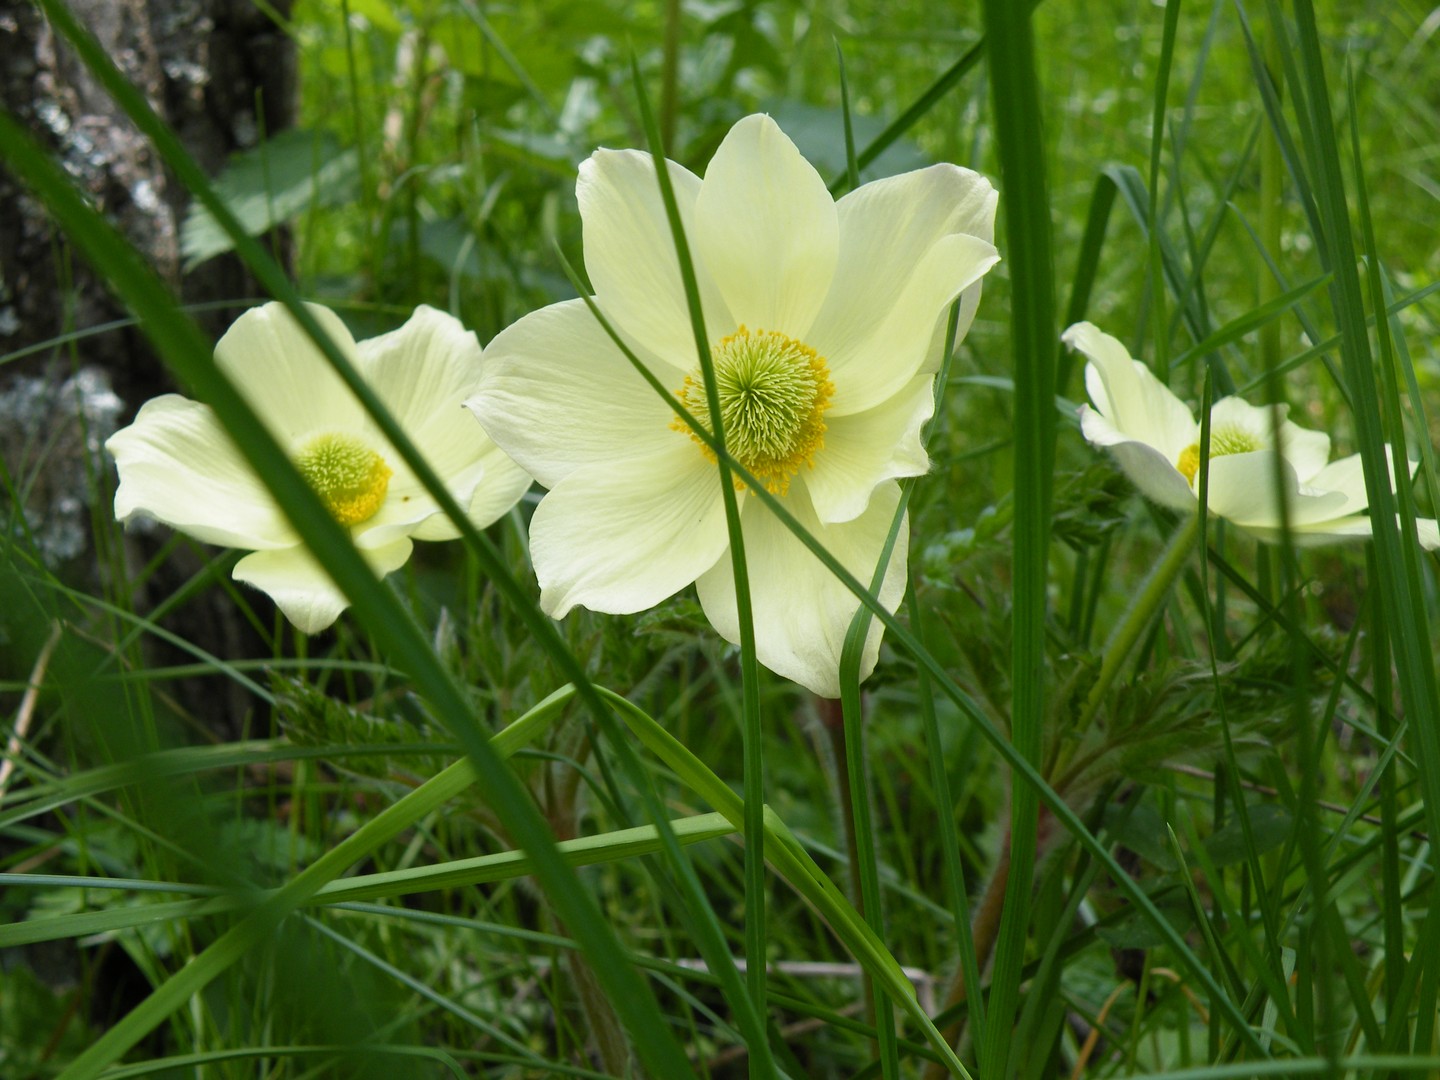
(178, 466)
(822, 318)
(1156, 440)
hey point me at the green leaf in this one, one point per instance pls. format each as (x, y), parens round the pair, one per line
(1270, 826)
(1137, 931)
(283, 177)
(1144, 832)
(311, 717)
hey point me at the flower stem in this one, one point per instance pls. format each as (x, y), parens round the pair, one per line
(1137, 619)
(984, 929)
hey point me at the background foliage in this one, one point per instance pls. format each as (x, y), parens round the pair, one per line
(1246, 770)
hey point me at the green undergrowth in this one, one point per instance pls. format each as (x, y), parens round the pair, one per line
(452, 838)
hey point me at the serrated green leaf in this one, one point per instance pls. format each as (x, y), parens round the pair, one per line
(310, 717)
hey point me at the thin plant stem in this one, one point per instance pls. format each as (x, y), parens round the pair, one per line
(1151, 596)
(984, 928)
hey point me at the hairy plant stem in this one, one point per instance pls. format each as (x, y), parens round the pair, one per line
(985, 923)
(1061, 768)
(1152, 594)
(600, 1017)
(560, 797)
(984, 929)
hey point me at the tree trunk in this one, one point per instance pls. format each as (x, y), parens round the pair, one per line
(204, 66)
(221, 73)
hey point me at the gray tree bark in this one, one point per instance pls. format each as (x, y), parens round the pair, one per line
(221, 73)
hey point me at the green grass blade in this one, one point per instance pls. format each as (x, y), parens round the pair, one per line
(753, 734)
(919, 108)
(1397, 558)
(185, 352)
(1087, 263)
(1015, 107)
(856, 762)
(1254, 319)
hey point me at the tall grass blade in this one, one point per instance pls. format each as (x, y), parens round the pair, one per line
(756, 937)
(186, 350)
(1015, 109)
(1397, 555)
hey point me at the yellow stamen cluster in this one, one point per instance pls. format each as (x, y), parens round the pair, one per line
(773, 393)
(350, 478)
(1223, 441)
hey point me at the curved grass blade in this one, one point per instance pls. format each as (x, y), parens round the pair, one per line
(1398, 563)
(186, 355)
(967, 705)
(608, 847)
(794, 864)
(753, 767)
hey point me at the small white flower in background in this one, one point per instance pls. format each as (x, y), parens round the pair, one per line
(177, 464)
(1156, 440)
(822, 318)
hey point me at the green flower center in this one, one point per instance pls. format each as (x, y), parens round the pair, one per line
(1223, 440)
(773, 394)
(350, 478)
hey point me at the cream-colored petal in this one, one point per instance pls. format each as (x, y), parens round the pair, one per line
(1148, 469)
(300, 586)
(621, 538)
(801, 610)
(886, 228)
(284, 375)
(1246, 489)
(1255, 421)
(556, 394)
(1129, 395)
(865, 449)
(630, 254)
(766, 229)
(488, 489)
(1307, 451)
(177, 465)
(503, 484)
(424, 372)
(1347, 476)
(869, 369)
(1330, 531)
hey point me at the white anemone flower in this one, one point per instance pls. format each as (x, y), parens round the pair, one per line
(1156, 440)
(823, 320)
(178, 466)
